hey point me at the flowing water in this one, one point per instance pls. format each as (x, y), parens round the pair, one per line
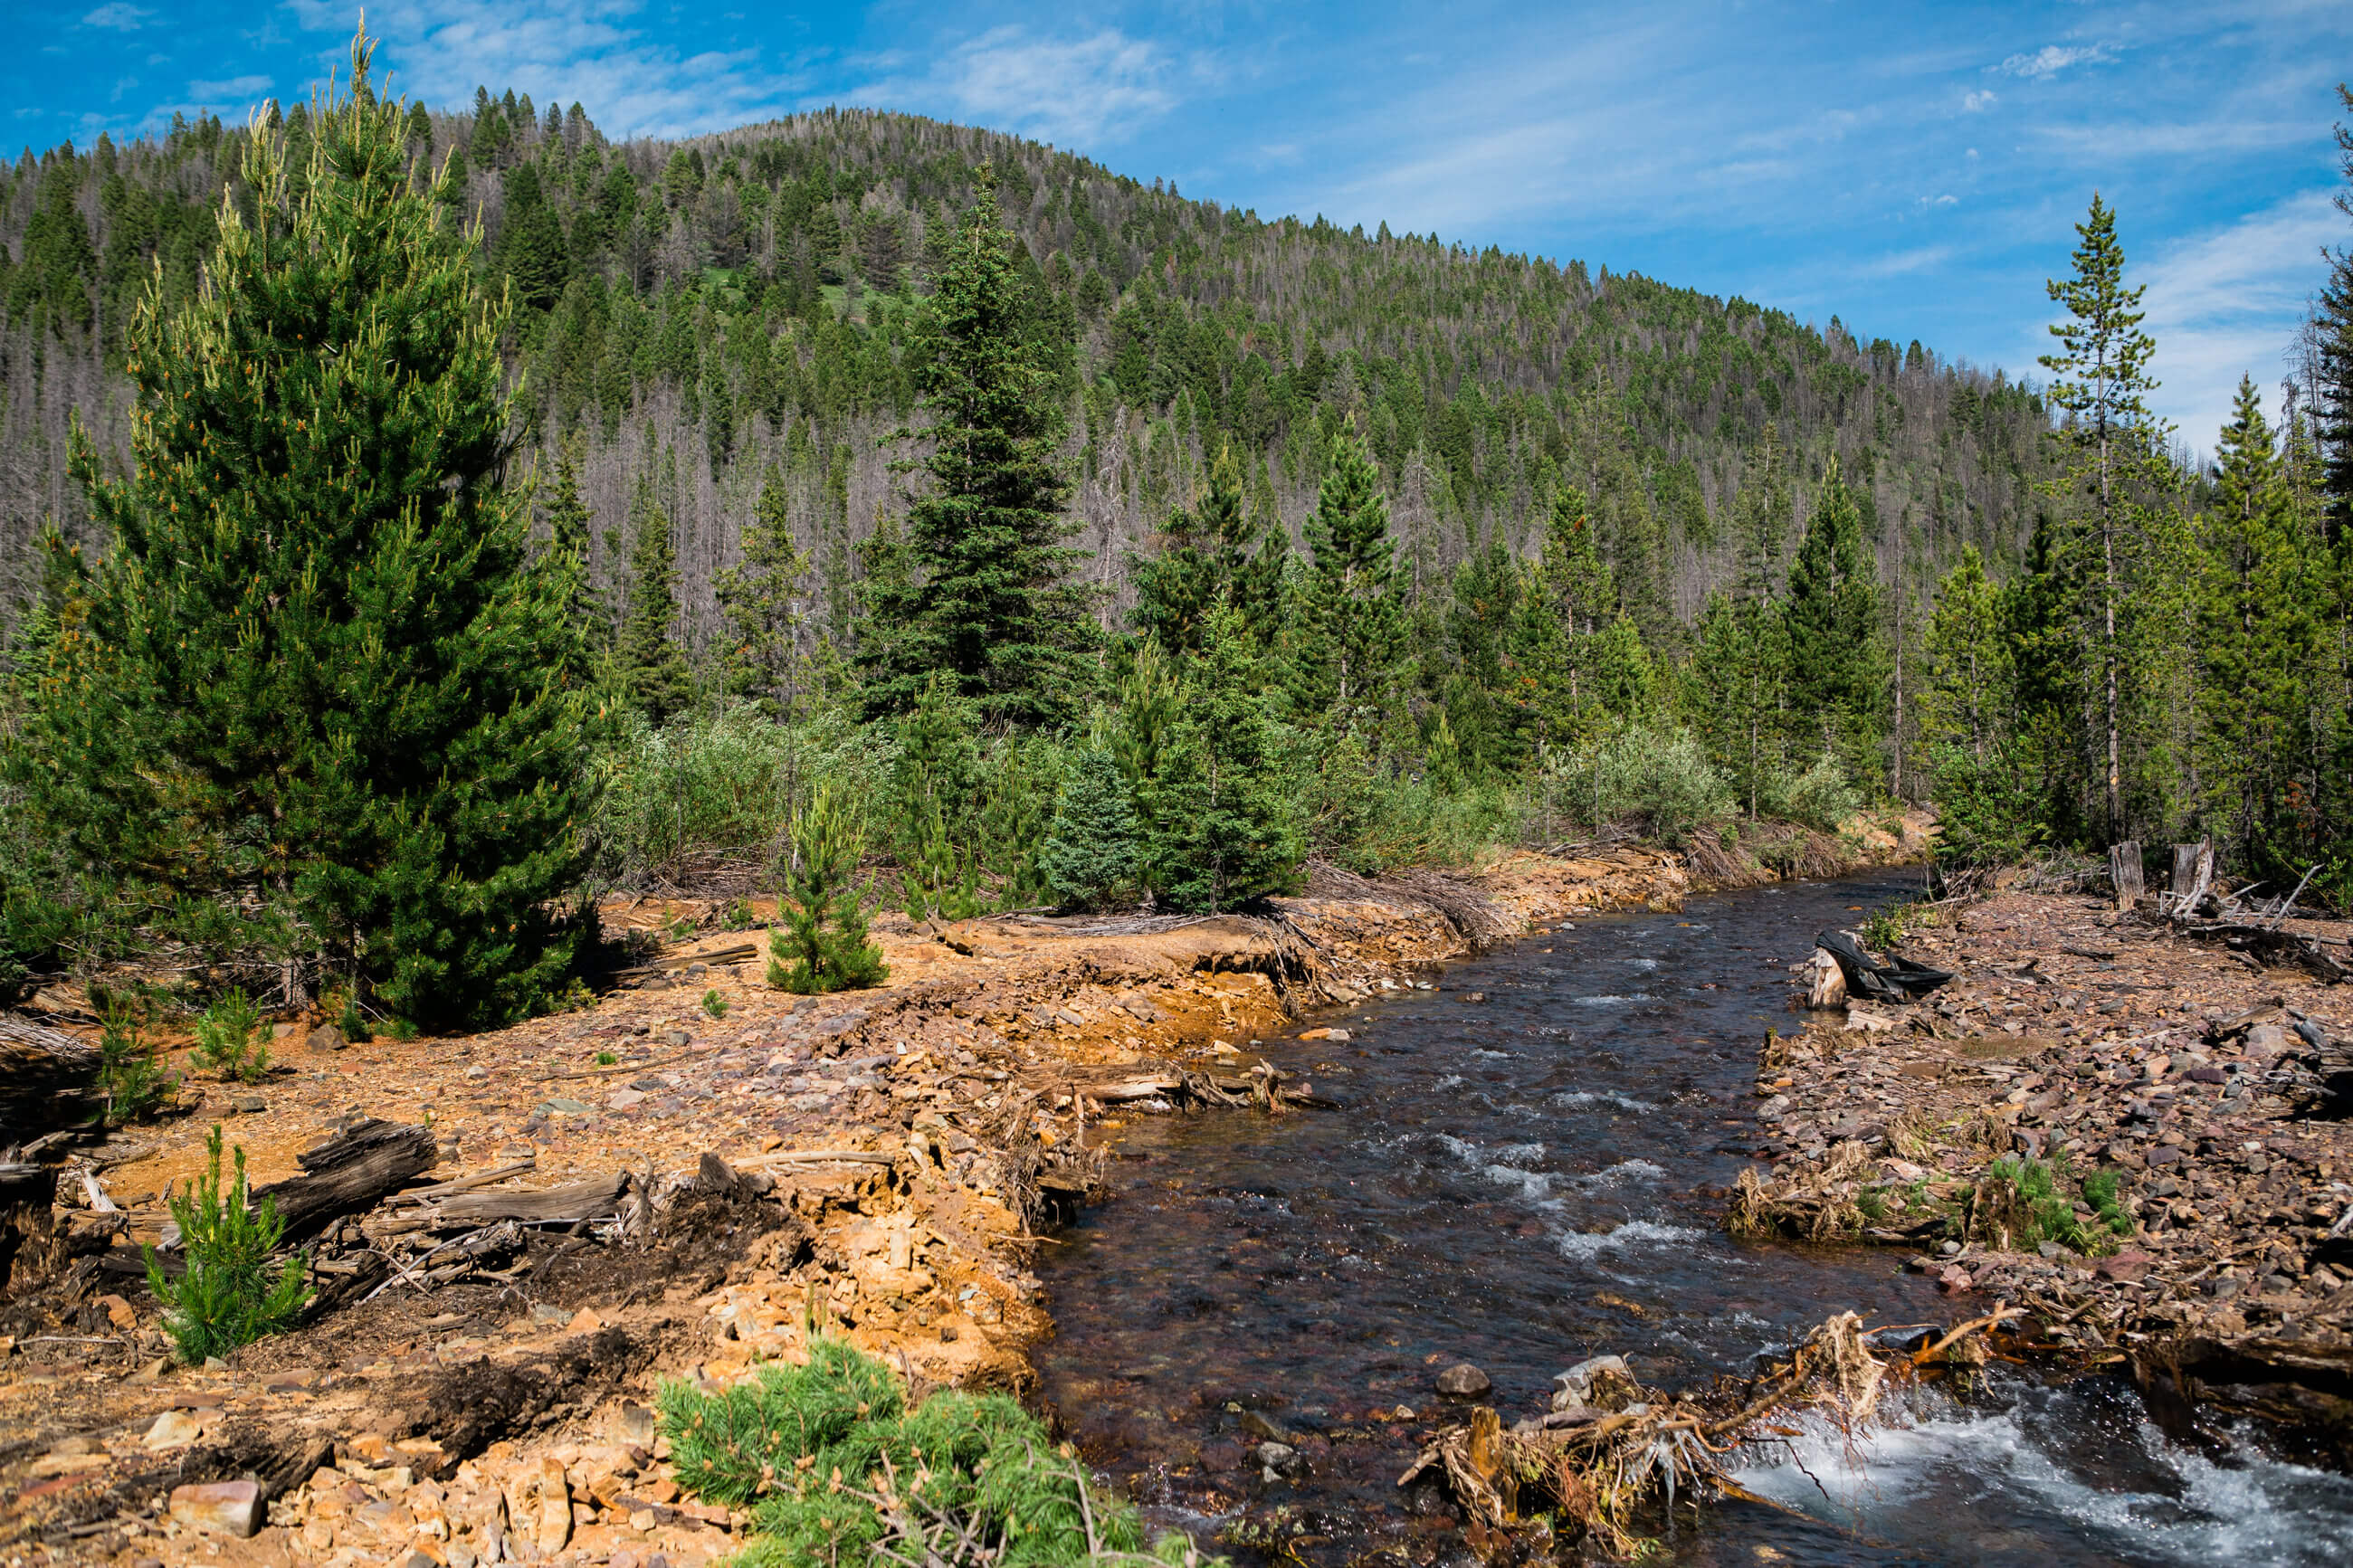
(1531, 1179)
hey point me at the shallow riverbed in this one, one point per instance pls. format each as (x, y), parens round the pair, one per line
(1530, 1179)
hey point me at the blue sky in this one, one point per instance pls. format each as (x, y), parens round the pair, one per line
(1915, 169)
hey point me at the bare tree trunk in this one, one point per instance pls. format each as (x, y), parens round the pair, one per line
(2108, 620)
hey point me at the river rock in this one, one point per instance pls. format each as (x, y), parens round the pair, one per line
(1257, 1426)
(1574, 1387)
(1463, 1381)
(221, 1508)
(174, 1429)
(1279, 1458)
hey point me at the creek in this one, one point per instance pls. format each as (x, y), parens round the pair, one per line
(1527, 1180)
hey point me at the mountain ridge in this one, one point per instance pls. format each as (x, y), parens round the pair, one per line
(749, 298)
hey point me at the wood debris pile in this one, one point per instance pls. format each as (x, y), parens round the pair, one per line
(1611, 1451)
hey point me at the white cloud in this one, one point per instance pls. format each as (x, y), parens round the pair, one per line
(1066, 91)
(118, 17)
(1978, 103)
(2226, 303)
(559, 51)
(2051, 58)
(235, 89)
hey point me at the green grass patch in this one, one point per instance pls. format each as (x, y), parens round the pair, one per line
(836, 1469)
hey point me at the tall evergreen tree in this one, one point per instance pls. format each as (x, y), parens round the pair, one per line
(319, 708)
(1969, 721)
(760, 598)
(652, 660)
(566, 516)
(532, 246)
(1736, 687)
(988, 598)
(1354, 633)
(1228, 828)
(2255, 643)
(2332, 340)
(1582, 658)
(2113, 442)
(1836, 665)
(1204, 562)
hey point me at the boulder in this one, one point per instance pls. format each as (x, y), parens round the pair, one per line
(1463, 1381)
(219, 1507)
(324, 1038)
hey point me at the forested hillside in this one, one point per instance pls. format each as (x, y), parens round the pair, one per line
(700, 312)
(889, 511)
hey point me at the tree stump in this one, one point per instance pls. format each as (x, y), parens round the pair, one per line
(2124, 870)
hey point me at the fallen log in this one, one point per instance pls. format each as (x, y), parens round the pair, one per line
(2268, 946)
(47, 1081)
(596, 1198)
(350, 1174)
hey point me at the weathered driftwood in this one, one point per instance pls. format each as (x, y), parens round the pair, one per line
(348, 1174)
(46, 1079)
(466, 1183)
(596, 1198)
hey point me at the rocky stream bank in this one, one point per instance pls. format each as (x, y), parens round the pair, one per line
(515, 1235)
(2127, 1127)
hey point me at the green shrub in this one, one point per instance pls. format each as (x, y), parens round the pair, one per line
(1819, 797)
(229, 1296)
(716, 783)
(2100, 1192)
(131, 1074)
(1885, 928)
(1658, 774)
(836, 1469)
(822, 944)
(2027, 1198)
(607, 1060)
(714, 1004)
(227, 1039)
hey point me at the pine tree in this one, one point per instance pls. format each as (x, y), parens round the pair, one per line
(532, 248)
(1354, 633)
(1483, 702)
(2255, 642)
(986, 599)
(1835, 654)
(760, 598)
(1204, 562)
(1227, 828)
(1737, 690)
(1984, 791)
(1967, 702)
(566, 516)
(822, 944)
(1090, 857)
(935, 785)
(320, 684)
(2332, 340)
(1762, 518)
(2112, 440)
(1567, 642)
(652, 663)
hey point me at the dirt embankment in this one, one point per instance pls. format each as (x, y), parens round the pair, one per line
(882, 1160)
(2082, 1055)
